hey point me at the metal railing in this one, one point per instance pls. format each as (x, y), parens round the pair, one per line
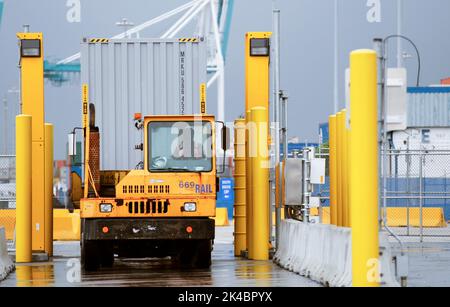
(417, 192)
(8, 196)
(418, 182)
(7, 181)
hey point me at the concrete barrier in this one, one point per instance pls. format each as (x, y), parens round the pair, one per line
(8, 221)
(6, 264)
(398, 217)
(431, 217)
(323, 253)
(66, 225)
(221, 218)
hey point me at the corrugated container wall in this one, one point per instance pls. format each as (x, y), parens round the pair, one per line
(445, 81)
(428, 107)
(148, 76)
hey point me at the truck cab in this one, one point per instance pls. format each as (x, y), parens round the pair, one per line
(162, 208)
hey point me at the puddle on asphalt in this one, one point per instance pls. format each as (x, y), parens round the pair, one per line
(225, 272)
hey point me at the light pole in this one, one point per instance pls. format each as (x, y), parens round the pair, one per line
(399, 33)
(7, 119)
(5, 126)
(336, 56)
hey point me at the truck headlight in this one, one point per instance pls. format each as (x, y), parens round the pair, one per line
(190, 207)
(105, 208)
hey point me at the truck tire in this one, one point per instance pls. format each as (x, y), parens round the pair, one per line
(90, 255)
(196, 255)
(203, 257)
(107, 255)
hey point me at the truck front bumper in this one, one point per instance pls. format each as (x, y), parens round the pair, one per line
(148, 229)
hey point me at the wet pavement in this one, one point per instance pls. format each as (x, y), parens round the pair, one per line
(226, 271)
(429, 263)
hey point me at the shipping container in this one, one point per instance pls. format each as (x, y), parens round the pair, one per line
(445, 81)
(428, 107)
(148, 76)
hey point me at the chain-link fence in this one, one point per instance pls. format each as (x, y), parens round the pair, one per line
(8, 195)
(7, 182)
(416, 192)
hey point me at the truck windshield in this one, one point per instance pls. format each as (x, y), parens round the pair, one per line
(180, 146)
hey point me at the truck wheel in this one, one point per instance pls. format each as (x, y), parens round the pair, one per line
(203, 254)
(186, 257)
(107, 255)
(196, 255)
(90, 256)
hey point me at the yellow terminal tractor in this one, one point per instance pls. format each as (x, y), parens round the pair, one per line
(162, 208)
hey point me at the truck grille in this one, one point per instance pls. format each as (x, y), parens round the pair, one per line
(151, 189)
(158, 189)
(148, 207)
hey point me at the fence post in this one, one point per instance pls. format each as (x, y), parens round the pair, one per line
(408, 191)
(421, 196)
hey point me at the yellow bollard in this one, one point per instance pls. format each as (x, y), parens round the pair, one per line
(48, 189)
(348, 188)
(248, 180)
(333, 170)
(240, 222)
(344, 162)
(260, 183)
(364, 168)
(23, 189)
(339, 169)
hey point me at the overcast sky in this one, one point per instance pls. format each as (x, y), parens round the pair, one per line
(307, 48)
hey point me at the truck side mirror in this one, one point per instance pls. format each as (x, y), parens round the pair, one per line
(225, 138)
(72, 141)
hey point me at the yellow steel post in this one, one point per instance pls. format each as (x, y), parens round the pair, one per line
(248, 180)
(257, 68)
(340, 216)
(257, 88)
(344, 152)
(49, 189)
(348, 188)
(333, 170)
(240, 228)
(364, 168)
(260, 179)
(32, 92)
(87, 134)
(23, 189)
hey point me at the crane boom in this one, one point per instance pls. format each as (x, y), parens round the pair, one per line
(1, 11)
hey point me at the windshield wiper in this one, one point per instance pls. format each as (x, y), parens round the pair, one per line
(183, 170)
